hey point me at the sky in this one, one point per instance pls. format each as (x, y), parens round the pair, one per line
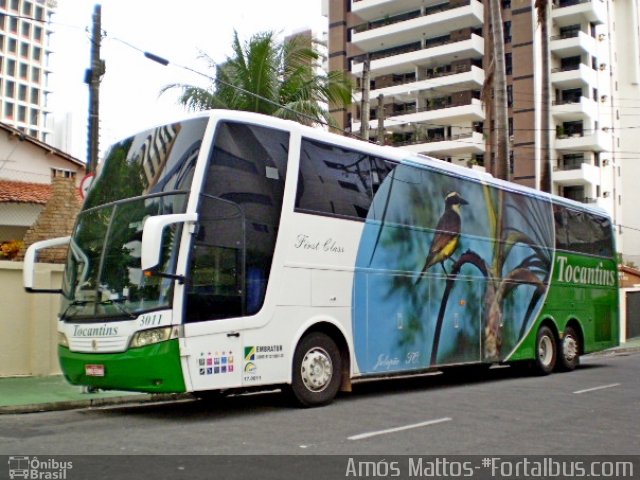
(174, 30)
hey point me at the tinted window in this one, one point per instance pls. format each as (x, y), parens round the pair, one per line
(239, 213)
(154, 161)
(582, 232)
(336, 181)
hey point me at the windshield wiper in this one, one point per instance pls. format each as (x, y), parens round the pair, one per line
(74, 303)
(117, 303)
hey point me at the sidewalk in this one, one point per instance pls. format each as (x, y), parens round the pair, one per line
(40, 394)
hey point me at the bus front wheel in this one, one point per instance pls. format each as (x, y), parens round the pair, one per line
(317, 370)
(546, 351)
(569, 350)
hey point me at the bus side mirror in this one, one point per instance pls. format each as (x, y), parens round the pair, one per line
(30, 258)
(152, 236)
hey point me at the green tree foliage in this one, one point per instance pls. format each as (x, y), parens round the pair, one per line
(280, 79)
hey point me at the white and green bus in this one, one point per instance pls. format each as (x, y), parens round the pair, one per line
(231, 251)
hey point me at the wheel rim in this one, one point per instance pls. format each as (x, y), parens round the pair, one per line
(569, 348)
(545, 351)
(316, 369)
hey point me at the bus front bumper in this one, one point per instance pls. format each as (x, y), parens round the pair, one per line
(155, 368)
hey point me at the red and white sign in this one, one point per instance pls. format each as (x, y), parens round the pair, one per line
(85, 184)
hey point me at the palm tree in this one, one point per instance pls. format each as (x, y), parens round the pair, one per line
(277, 79)
(542, 10)
(498, 77)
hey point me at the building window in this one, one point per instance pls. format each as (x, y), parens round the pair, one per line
(35, 75)
(39, 13)
(508, 65)
(22, 113)
(34, 117)
(27, 8)
(14, 5)
(35, 96)
(24, 50)
(10, 89)
(26, 29)
(37, 53)
(507, 32)
(24, 70)
(13, 25)
(8, 110)
(13, 45)
(11, 68)
(37, 33)
(22, 93)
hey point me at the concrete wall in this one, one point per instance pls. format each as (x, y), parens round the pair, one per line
(28, 336)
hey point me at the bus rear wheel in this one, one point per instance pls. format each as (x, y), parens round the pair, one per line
(546, 351)
(569, 349)
(317, 370)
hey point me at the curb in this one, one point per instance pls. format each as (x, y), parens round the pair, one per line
(94, 402)
(616, 351)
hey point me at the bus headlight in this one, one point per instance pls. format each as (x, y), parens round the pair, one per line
(62, 340)
(154, 335)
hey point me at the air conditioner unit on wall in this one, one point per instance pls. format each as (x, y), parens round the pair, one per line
(603, 66)
(601, 37)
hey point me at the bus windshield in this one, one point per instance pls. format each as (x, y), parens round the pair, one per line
(145, 175)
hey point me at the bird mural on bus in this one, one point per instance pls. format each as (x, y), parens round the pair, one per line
(449, 270)
(447, 236)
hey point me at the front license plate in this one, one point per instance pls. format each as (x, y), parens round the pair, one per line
(94, 370)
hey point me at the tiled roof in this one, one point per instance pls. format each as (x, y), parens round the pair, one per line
(22, 192)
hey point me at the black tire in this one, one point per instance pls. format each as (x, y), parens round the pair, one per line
(569, 349)
(317, 370)
(546, 351)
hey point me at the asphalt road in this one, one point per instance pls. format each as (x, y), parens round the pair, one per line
(591, 411)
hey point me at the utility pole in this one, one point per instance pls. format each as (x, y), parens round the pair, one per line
(93, 77)
(364, 101)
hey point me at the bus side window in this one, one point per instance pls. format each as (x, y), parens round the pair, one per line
(333, 181)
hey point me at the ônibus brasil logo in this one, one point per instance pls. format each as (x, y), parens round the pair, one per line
(34, 468)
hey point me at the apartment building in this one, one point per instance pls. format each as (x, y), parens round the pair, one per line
(24, 52)
(627, 108)
(427, 61)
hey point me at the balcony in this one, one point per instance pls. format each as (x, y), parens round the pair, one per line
(576, 174)
(401, 29)
(569, 12)
(577, 109)
(573, 44)
(574, 77)
(595, 141)
(443, 114)
(412, 55)
(375, 9)
(472, 78)
(455, 145)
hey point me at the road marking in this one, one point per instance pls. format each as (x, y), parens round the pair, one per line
(601, 387)
(399, 429)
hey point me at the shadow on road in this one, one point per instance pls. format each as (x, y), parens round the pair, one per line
(243, 404)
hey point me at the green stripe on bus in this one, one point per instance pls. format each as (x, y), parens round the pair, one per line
(155, 368)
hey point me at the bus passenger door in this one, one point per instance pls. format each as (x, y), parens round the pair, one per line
(215, 299)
